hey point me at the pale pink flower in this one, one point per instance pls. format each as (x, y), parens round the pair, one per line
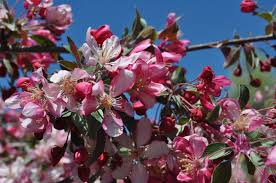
(131, 165)
(102, 54)
(112, 122)
(3, 12)
(64, 83)
(147, 87)
(271, 159)
(59, 17)
(35, 103)
(247, 120)
(188, 151)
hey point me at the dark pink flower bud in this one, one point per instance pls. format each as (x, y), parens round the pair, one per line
(83, 173)
(26, 5)
(23, 83)
(81, 155)
(238, 71)
(255, 82)
(42, 12)
(190, 96)
(167, 124)
(33, 2)
(56, 154)
(101, 34)
(265, 66)
(197, 115)
(273, 62)
(82, 90)
(102, 159)
(248, 6)
(139, 108)
(207, 74)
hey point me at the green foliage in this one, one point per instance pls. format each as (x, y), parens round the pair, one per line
(216, 150)
(222, 172)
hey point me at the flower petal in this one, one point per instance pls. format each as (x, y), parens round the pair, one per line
(143, 132)
(198, 144)
(13, 102)
(88, 105)
(123, 170)
(122, 82)
(139, 174)
(34, 111)
(156, 149)
(58, 77)
(112, 124)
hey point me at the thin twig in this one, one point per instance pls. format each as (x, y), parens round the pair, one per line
(196, 47)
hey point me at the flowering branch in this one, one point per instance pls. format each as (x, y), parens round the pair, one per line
(215, 44)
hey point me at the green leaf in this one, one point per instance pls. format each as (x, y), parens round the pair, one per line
(214, 114)
(222, 172)
(43, 41)
(249, 55)
(170, 32)
(231, 55)
(244, 96)
(81, 124)
(214, 151)
(124, 151)
(266, 16)
(247, 166)
(256, 159)
(148, 33)
(178, 76)
(74, 49)
(183, 120)
(11, 26)
(68, 65)
(99, 148)
(137, 26)
(8, 66)
(177, 100)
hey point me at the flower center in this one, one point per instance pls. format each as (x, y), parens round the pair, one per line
(67, 86)
(36, 93)
(241, 124)
(106, 101)
(185, 163)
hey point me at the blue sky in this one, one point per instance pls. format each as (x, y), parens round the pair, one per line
(202, 21)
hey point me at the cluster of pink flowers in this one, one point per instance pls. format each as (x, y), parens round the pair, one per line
(92, 121)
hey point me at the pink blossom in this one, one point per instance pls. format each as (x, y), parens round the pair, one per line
(35, 103)
(59, 17)
(246, 120)
(271, 159)
(188, 150)
(112, 122)
(64, 83)
(3, 12)
(147, 85)
(102, 54)
(131, 165)
(209, 84)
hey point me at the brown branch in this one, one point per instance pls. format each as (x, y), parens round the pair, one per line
(240, 41)
(216, 44)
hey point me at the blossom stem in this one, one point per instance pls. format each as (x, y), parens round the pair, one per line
(210, 45)
(263, 139)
